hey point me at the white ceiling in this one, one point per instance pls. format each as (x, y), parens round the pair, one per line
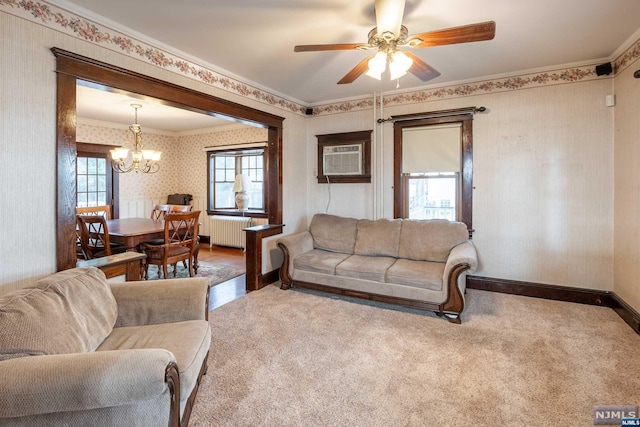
(254, 39)
(97, 106)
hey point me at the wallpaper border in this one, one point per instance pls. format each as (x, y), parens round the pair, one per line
(59, 19)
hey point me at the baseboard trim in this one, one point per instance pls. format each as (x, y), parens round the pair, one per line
(559, 293)
(626, 312)
(270, 277)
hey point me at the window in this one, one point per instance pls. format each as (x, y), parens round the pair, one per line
(92, 181)
(96, 183)
(433, 166)
(224, 166)
(432, 195)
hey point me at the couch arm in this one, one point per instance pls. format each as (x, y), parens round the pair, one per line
(461, 261)
(35, 385)
(292, 246)
(464, 253)
(161, 301)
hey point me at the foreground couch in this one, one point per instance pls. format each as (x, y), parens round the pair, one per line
(416, 263)
(77, 350)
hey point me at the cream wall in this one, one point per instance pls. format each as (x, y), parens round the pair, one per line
(28, 129)
(543, 178)
(543, 161)
(627, 187)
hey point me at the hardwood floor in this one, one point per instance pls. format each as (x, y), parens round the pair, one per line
(224, 292)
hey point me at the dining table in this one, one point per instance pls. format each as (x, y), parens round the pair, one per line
(130, 232)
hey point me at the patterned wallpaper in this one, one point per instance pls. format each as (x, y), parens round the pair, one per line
(74, 25)
(183, 166)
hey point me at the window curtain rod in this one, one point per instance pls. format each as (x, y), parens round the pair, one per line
(435, 114)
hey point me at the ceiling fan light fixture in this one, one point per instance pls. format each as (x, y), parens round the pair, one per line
(399, 64)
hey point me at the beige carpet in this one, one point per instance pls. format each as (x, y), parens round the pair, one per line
(293, 358)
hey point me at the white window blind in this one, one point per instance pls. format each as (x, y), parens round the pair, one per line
(433, 148)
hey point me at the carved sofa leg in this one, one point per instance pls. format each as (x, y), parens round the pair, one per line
(285, 277)
(453, 306)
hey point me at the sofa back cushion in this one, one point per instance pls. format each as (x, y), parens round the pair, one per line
(378, 238)
(430, 240)
(72, 311)
(333, 233)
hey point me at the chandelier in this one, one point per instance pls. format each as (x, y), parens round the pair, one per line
(145, 161)
(387, 44)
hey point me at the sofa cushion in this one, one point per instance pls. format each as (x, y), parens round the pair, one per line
(333, 233)
(319, 261)
(378, 238)
(189, 342)
(71, 311)
(365, 267)
(418, 274)
(430, 240)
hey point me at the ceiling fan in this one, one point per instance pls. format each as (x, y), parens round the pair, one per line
(390, 35)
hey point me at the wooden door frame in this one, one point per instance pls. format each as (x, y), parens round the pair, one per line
(71, 67)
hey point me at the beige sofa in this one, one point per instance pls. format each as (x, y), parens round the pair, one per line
(416, 263)
(78, 350)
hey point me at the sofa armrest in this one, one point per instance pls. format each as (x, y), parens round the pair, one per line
(161, 301)
(464, 253)
(36, 385)
(462, 260)
(292, 246)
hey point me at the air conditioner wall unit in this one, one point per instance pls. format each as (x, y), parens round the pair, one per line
(342, 160)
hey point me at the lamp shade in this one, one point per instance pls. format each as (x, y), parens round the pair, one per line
(241, 184)
(399, 64)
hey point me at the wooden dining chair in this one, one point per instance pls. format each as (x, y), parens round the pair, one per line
(179, 243)
(160, 211)
(94, 237)
(104, 210)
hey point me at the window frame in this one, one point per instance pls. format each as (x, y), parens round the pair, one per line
(465, 214)
(237, 154)
(362, 138)
(86, 149)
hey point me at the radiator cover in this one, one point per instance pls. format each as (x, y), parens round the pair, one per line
(227, 231)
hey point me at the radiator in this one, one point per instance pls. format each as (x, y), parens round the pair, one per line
(227, 230)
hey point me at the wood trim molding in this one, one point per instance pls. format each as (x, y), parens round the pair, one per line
(71, 67)
(559, 293)
(626, 312)
(362, 138)
(254, 236)
(270, 277)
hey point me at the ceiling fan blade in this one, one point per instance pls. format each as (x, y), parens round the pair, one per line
(389, 16)
(421, 69)
(323, 47)
(356, 72)
(463, 34)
